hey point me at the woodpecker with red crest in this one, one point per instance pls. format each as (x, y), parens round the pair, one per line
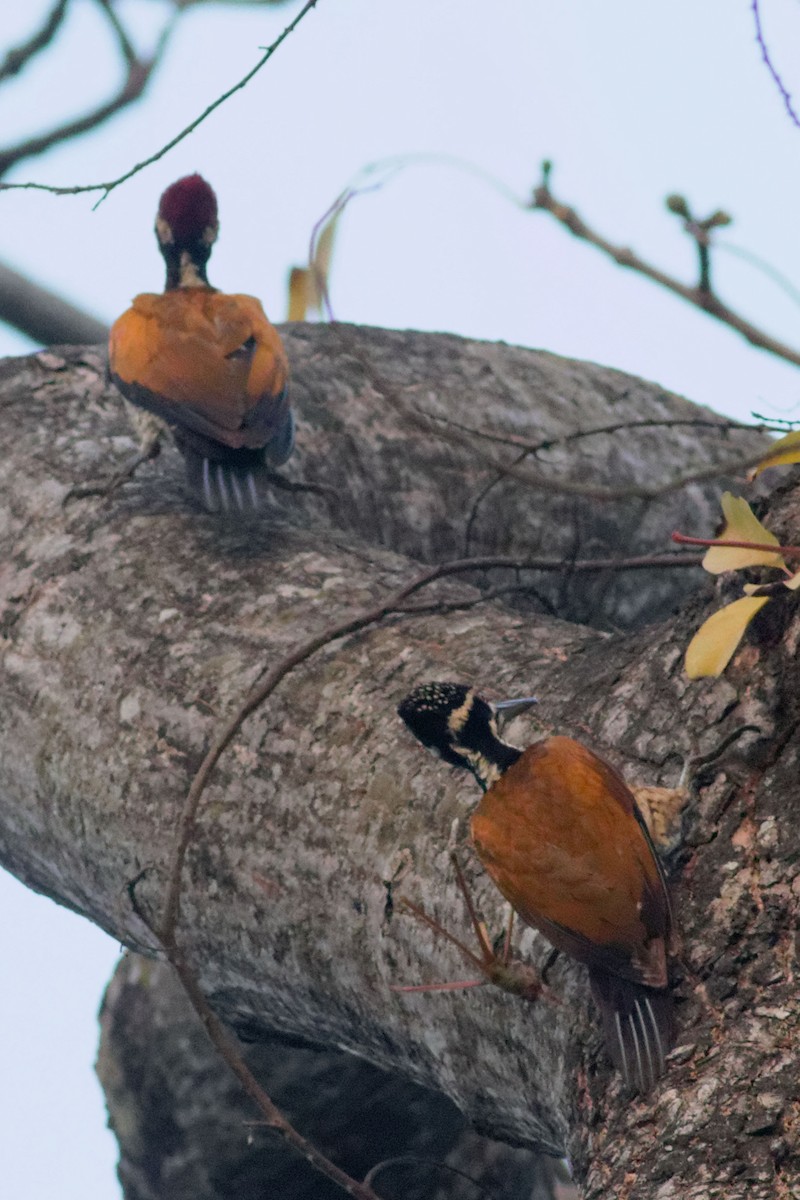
(559, 832)
(208, 364)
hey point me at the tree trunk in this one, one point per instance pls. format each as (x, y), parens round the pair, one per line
(186, 1129)
(134, 625)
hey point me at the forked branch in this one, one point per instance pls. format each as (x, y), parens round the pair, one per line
(701, 295)
(19, 56)
(133, 81)
(138, 73)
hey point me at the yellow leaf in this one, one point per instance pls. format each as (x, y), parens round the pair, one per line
(785, 450)
(741, 525)
(794, 583)
(308, 286)
(712, 647)
(321, 262)
(298, 294)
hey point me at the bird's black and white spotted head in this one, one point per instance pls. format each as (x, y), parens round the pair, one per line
(456, 722)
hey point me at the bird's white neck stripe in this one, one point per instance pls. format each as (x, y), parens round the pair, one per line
(189, 274)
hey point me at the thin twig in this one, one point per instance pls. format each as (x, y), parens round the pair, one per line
(442, 607)
(107, 187)
(299, 485)
(786, 96)
(481, 496)
(783, 422)
(683, 539)
(763, 266)
(229, 1052)
(125, 44)
(518, 443)
(20, 56)
(412, 1160)
(299, 655)
(544, 483)
(707, 301)
(574, 487)
(536, 448)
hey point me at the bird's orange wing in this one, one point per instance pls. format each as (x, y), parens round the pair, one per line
(204, 360)
(559, 835)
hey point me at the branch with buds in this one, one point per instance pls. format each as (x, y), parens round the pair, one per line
(701, 295)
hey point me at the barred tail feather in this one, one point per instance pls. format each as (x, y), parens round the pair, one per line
(222, 479)
(229, 480)
(637, 1022)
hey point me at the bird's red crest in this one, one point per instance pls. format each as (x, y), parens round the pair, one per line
(189, 207)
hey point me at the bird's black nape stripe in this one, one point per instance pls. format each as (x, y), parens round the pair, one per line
(198, 254)
(478, 734)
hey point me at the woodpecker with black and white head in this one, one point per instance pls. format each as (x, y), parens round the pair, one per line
(208, 364)
(559, 832)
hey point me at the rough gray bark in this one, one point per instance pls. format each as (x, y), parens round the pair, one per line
(133, 626)
(383, 414)
(186, 1130)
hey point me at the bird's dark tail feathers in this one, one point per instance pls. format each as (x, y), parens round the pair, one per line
(227, 480)
(638, 1027)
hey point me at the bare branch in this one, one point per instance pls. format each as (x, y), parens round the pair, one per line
(511, 470)
(683, 539)
(443, 428)
(491, 562)
(700, 230)
(229, 1052)
(412, 1160)
(517, 443)
(125, 44)
(138, 74)
(20, 56)
(786, 96)
(42, 315)
(700, 297)
(257, 696)
(574, 487)
(107, 187)
(472, 517)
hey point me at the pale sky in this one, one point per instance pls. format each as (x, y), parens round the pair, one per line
(630, 100)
